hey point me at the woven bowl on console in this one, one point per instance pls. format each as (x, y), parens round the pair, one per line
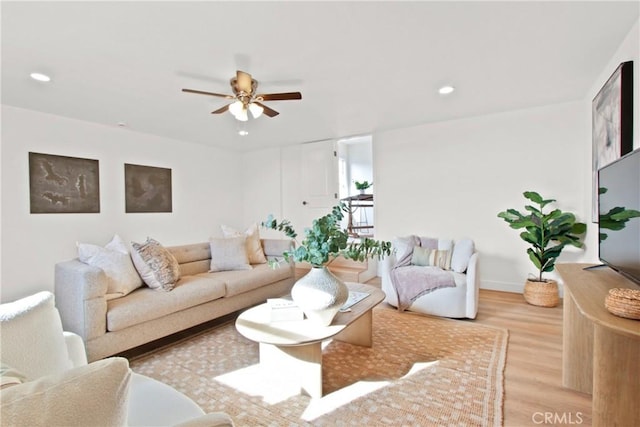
(623, 302)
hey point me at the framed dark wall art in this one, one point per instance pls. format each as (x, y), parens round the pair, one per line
(147, 189)
(612, 123)
(60, 184)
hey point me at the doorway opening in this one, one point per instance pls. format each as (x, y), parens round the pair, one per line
(355, 165)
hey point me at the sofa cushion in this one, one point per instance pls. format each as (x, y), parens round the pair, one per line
(90, 395)
(229, 254)
(238, 282)
(157, 266)
(194, 258)
(462, 252)
(33, 323)
(146, 304)
(114, 259)
(253, 244)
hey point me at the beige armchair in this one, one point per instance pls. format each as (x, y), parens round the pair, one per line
(46, 379)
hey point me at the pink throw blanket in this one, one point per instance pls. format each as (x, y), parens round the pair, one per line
(411, 282)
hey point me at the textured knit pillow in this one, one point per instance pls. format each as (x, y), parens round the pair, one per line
(229, 254)
(93, 394)
(426, 257)
(157, 266)
(253, 243)
(115, 261)
(32, 339)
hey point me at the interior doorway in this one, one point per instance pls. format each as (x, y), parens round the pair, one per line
(355, 164)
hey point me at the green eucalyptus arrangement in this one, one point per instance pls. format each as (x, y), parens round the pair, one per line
(325, 240)
(547, 232)
(363, 185)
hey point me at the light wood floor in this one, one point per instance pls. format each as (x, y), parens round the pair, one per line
(533, 374)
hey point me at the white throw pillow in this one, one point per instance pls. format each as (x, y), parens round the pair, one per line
(253, 243)
(462, 252)
(157, 266)
(229, 254)
(32, 338)
(114, 259)
(93, 394)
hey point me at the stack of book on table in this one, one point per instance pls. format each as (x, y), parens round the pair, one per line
(284, 309)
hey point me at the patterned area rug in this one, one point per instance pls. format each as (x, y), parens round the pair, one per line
(421, 371)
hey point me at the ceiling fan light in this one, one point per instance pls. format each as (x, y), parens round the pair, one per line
(242, 115)
(236, 108)
(256, 110)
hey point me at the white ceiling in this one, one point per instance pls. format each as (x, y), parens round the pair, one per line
(361, 67)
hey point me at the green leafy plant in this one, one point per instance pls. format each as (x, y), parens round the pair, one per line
(616, 219)
(548, 233)
(325, 240)
(363, 185)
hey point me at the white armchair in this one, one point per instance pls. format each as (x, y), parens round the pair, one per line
(460, 301)
(43, 359)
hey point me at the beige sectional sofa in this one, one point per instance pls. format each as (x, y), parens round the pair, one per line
(111, 326)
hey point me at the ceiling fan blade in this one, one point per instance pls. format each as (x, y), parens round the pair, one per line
(221, 109)
(280, 96)
(267, 111)
(200, 92)
(244, 81)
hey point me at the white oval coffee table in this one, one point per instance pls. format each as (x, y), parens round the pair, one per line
(295, 347)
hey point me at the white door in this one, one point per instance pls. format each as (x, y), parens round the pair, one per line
(310, 182)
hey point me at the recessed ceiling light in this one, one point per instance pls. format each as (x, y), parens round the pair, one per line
(243, 132)
(40, 77)
(445, 90)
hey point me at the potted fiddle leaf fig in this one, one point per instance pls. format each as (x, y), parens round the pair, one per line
(548, 232)
(319, 293)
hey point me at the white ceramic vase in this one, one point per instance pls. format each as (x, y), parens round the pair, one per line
(320, 295)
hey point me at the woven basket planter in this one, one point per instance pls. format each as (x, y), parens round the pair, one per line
(542, 294)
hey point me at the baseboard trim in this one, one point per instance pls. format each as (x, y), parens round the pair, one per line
(516, 288)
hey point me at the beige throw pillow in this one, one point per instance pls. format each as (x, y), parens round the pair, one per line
(90, 395)
(114, 259)
(157, 266)
(229, 254)
(253, 242)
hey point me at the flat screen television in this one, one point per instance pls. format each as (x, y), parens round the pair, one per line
(619, 210)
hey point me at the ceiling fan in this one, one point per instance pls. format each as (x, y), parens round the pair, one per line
(246, 99)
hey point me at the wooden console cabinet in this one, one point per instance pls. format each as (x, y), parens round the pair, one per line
(600, 351)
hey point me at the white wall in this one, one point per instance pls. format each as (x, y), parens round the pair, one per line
(262, 188)
(451, 179)
(207, 191)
